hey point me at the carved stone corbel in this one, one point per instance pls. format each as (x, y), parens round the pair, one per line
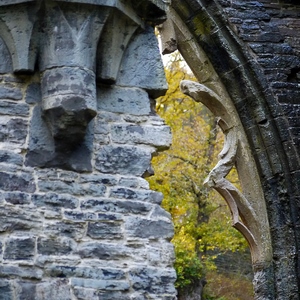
(73, 45)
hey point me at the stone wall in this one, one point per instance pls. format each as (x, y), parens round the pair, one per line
(253, 47)
(77, 134)
(78, 130)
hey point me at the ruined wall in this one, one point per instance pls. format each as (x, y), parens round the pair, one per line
(254, 48)
(77, 133)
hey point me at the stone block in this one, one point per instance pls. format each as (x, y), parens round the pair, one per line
(141, 195)
(108, 285)
(124, 100)
(59, 186)
(69, 229)
(267, 48)
(72, 188)
(10, 157)
(149, 229)
(279, 61)
(124, 160)
(78, 216)
(293, 155)
(22, 182)
(5, 62)
(6, 290)
(14, 218)
(17, 198)
(26, 290)
(14, 109)
(12, 93)
(13, 130)
(93, 189)
(104, 251)
(104, 179)
(99, 273)
(53, 200)
(104, 230)
(101, 127)
(130, 182)
(115, 206)
(153, 280)
(41, 144)
(33, 93)
(142, 65)
(19, 248)
(160, 213)
(156, 136)
(55, 246)
(58, 289)
(84, 294)
(10, 271)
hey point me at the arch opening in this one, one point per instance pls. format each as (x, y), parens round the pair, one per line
(180, 174)
(248, 208)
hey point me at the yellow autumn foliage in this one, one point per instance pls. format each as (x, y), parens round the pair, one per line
(201, 218)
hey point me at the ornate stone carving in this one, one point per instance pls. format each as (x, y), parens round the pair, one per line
(245, 216)
(73, 45)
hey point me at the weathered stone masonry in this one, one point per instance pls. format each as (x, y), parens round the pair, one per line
(248, 52)
(77, 133)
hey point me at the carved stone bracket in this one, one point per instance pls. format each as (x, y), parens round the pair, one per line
(75, 44)
(247, 212)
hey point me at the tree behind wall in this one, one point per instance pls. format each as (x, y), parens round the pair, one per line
(202, 221)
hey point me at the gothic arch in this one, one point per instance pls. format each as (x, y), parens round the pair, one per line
(230, 73)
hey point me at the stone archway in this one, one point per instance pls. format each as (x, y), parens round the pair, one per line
(210, 36)
(78, 221)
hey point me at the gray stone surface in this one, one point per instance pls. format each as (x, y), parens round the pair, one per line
(112, 205)
(158, 280)
(13, 130)
(12, 108)
(33, 94)
(86, 272)
(55, 200)
(148, 75)
(73, 148)
(108, 285)
(19, 248)
(6, 291)
(83, 294)
(26, 289)
(125, 160)
(17, 198)
(11, 93)
(123, 100)
(55, 246)
(104, 251)
(157, 136)
(58, 289)
(13, 218)
(23, 271)
(11, 157)
(104, 230)
(65, 229)
(11, 182)
(6, 63)
(144, 228)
